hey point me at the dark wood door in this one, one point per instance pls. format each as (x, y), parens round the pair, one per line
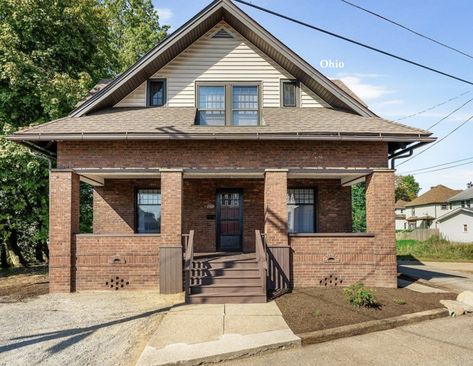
(229, 220)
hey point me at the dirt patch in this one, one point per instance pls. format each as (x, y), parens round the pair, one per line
(313, 309)
(21, 283)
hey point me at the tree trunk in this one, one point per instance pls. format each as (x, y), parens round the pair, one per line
(41, 252)
(3, 255)
(13, 252)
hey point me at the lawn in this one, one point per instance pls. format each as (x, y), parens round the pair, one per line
(434, 250)
(311, 309)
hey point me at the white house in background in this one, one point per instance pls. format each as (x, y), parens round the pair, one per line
(457, 225)
(400, 210)
(424, 211)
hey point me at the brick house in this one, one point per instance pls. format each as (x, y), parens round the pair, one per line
(218, 133)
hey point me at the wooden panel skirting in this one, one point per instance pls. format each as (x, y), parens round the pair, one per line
(170, 269)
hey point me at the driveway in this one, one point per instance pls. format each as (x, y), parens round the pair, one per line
(446, 341)
(456, 277)
(91, 328)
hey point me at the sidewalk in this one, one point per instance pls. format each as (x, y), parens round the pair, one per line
(456, 277)
(190, 334)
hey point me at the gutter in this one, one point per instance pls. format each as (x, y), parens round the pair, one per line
(407, 152)
(220, 136)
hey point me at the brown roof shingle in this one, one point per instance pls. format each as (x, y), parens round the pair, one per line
(437, 194)
(180, 121)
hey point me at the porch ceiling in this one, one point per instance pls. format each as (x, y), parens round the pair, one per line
(96, 177)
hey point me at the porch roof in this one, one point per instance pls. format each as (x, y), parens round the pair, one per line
(96, 177)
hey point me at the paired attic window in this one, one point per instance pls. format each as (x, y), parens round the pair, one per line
(222, 33)
(228, 104)
(156, 92)
(289, 93)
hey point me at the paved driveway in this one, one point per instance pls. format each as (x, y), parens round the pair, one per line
(456, 277)
(446, 341)
(93, 328)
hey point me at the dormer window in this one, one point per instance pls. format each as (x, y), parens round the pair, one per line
(228, 104)
(289, 93)
(156, 92)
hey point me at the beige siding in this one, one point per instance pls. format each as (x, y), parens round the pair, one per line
(223, 59)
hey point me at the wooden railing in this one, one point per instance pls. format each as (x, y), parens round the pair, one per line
(188, 243)
(261, 257)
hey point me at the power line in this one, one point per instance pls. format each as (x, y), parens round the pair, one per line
(434, 106)
(355, 42)
(450, 167)
(438, 141)
(448, 115)
(408, 29)
(435, 166)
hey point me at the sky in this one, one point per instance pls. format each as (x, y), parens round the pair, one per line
(392, 89)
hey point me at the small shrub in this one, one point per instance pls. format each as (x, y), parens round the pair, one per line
(399, 301)
(358, 295)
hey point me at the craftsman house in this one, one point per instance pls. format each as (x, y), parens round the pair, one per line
(222, 164)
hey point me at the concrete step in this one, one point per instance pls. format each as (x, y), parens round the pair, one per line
(227, 280)
(248, 298)
(226, 289)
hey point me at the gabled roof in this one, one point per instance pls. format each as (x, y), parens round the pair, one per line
(400, 204)
(178, 41)
(437, 194)
(463, 195)
(174, 122)
(468, 211)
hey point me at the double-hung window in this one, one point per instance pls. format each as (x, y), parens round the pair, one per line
(289, 93)
(156, 93)
(148, 211)
(228, 104)
(301, 210)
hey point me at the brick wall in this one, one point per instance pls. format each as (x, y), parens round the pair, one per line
(221, 154)
(134, 259)
(171, 208)
(64, 198)
(275, 207)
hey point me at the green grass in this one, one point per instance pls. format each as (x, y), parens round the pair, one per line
(434, 249)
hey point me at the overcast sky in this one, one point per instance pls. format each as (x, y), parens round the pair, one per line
(391, 88)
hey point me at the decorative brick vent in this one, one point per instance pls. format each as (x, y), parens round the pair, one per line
(117, 283)
(331, 280)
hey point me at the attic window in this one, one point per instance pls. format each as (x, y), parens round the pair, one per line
(222, 33)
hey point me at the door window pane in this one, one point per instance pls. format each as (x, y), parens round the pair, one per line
(156, 93)
(289, 94)
(148, 202)
(245, 105)
(301, 210)
(211, 103)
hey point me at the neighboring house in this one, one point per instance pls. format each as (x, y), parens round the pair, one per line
(423, 211)
(400, 210)
(221, 130)
(457, 225)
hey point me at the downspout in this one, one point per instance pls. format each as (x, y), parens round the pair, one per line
(405, 153)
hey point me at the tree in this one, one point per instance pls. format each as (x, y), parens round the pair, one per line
(358, 206)
(51, 54)
(406, 187)
(135, 26)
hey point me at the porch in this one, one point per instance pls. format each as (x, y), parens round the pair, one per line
(308, 239)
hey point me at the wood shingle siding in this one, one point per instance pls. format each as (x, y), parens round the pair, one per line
(220, 59)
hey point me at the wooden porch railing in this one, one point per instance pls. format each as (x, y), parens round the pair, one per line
(261, 258)
(188, 242)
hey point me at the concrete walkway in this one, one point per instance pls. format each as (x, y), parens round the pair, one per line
(191, 333)
(446, 341)
(456, 277)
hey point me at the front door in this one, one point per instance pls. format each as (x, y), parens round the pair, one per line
(229, 220)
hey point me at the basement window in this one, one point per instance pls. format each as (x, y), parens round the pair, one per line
(148, 211)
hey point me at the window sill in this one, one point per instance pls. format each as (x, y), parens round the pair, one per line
(331, 235)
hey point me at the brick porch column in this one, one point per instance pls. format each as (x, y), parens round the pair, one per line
(170, 250)
(380, 220)
(64, 210)
(275, 206)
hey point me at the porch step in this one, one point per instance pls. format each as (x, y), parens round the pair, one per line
(233, 278)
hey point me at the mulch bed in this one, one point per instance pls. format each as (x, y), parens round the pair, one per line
(22, 283)
(312, 309)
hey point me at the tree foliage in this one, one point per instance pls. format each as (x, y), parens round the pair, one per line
(407, 187)
(358, 205)
(51, 54)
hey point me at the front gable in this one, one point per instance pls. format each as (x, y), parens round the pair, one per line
(222, 54)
